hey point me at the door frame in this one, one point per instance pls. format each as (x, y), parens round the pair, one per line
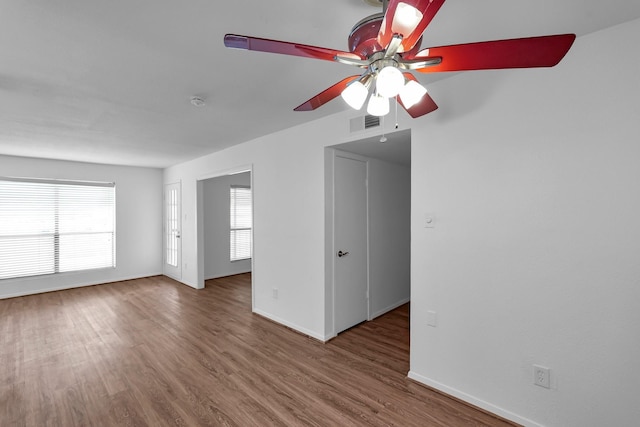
(330, 242)
(174, 273)
(200, 223)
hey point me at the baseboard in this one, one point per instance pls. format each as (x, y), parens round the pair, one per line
(389, 308)
(74, 286)
(227, 275)
(290, 325)
(472, 400)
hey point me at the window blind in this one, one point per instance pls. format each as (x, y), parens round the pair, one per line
(52, 226)
(240, 223)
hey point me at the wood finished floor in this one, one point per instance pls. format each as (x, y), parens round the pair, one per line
(153, 352)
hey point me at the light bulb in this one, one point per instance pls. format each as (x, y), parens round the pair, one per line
(412, 93)
(355, 94)
(389, 81)
(406, 19)
(378, 105)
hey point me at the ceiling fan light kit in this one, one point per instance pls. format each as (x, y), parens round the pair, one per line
(356, 93)
(387, 46)
(406, 19)
(411, 93)
(378, 105)
(389, 81)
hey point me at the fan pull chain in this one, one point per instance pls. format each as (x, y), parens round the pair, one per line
(383, 138)
(396, 111)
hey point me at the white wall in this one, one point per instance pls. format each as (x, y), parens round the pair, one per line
(138, 222)
(216, 226)
(288, 249)
(389, 236)
(534, 179)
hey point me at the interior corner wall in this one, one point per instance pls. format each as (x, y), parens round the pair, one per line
(216, 205)
(138, 222)
(533, 178)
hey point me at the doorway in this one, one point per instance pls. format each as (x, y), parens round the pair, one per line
(225, 225)
(172, 231)
(351, 234)
(383, 225)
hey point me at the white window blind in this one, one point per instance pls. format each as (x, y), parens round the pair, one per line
(240, 223)
(51, 226)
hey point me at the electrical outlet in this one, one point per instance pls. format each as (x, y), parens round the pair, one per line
(275, 293)
(542, 376)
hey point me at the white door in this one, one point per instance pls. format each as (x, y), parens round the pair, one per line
(173, 246)
(351, 246)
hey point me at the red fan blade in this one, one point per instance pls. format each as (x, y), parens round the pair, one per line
(426, 105)
(326, 95)
(393, 22)
(285, 48)
(545, 51)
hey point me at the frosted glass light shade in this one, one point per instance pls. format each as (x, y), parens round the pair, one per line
(389, 82)
(355, 94)
(378, 105)
(412, 93)
(406, 19)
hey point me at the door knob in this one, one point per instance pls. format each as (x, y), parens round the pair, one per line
(341, 254)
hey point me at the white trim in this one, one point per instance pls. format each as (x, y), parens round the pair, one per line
(186, 282)
(78, 285)
(224, 172)
(228, 275)
(473, 400)
(288, 324)
(389, 308)
(58, 181)
(179, 279)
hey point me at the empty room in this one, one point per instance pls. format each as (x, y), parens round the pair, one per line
(349, 213)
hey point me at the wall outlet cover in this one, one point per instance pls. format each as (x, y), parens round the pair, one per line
(541, 376)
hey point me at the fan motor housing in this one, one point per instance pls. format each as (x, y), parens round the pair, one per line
(363, 38)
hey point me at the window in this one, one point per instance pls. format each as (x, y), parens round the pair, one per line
(51, 226)
(240, 223)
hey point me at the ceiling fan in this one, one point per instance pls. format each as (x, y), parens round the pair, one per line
(387, 46)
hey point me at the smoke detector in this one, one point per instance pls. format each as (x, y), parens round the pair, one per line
(197, 101)
(374, 3)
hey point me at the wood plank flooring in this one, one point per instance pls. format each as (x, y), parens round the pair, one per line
(153, 352)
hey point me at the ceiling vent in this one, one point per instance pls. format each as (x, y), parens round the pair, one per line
(364, 122)
(371, 121)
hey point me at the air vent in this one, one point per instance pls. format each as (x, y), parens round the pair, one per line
(371, 121)
(358, 124)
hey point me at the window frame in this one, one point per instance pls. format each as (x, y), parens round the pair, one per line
(59, 199)
(233, 230)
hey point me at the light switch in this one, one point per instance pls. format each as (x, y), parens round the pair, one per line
(432, 318)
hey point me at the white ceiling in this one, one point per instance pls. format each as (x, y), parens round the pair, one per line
(110, 81)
